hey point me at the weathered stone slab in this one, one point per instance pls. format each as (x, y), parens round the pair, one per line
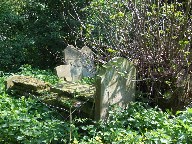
(71, 54)
(72, 89)
(114, 85)
(63, 71)
(26, 83)
(73, 70)
(64, 96)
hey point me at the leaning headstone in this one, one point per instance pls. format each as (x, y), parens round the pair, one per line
(87, 60)
(71, 54)
(115, 84)
(79, 64)
(72, 70)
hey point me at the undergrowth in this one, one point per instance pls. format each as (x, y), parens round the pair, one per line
(45, 75)
(24, 120)
(141, 124)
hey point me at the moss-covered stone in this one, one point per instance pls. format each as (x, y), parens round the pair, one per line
(26, 83)
(66, 95)
(75, 90)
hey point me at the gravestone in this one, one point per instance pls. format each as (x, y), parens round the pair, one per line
(70, 73)
(115, 84)
(88, 62)
(78, 64)
(71, 54)
(74, 66)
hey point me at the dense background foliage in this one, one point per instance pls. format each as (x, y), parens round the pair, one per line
(36, 31)
(156, 35)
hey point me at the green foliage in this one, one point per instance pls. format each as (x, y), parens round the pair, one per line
(105, 24)
(87, 80)
(11, 36)
(155, 35)
(35, 32)
(141, 124)
(2, 86)
(24, 120)
(45, 75)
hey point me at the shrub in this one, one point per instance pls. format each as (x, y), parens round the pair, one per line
(35, 32)
(155, 35)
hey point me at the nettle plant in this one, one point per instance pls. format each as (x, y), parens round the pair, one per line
(156, 35)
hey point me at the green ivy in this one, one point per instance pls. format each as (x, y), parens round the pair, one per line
(26, 121)
(141, 124)
(45, 75)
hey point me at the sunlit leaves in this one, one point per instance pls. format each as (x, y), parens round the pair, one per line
(139, 124)
(23, 120)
